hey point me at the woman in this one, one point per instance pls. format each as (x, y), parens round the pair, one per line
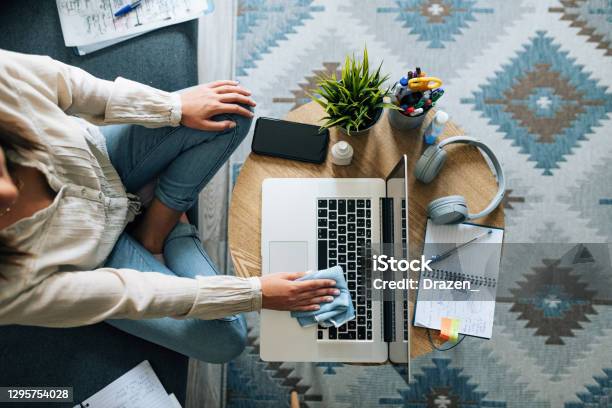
(67, 195)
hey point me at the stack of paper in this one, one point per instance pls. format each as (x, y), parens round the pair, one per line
(138, 388)
(90, 25)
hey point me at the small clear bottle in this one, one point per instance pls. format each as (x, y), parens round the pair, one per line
(435, 128)
(342, 154)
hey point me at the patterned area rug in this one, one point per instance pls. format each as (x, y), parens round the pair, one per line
(531, 78)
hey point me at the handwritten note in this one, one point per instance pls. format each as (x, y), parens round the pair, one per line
(138, 388)
(86, 22)
(478, 263)
(476, 317)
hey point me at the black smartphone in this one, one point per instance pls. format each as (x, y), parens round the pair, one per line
(290, 140)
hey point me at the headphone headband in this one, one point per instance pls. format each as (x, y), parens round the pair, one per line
(499, 171)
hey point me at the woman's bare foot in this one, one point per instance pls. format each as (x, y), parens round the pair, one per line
(184, 219)
(153, 229)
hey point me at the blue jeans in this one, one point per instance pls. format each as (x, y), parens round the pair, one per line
(182, 160)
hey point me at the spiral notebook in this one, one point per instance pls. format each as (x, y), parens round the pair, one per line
(477, 263)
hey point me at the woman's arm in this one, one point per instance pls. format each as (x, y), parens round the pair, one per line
(106, 102)
(45, 82)
(101, 102)
(67, 299)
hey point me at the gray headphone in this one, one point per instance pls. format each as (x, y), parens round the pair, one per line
(453, 209)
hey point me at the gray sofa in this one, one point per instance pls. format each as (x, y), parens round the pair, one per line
(88, 358)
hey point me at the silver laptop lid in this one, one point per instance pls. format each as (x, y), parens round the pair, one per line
(397, 190)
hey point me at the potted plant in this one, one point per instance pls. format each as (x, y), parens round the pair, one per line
(355, 101)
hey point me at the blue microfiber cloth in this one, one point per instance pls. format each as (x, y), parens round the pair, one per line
(334, 313)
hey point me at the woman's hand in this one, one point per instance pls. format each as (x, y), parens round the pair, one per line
(201, 103)
(281, 291)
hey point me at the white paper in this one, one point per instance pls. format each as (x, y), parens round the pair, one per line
(88, 49)
(138, 388)
(175, 402)
(476, 316)
(85, 22)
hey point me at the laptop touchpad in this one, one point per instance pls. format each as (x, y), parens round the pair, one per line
(288, 256)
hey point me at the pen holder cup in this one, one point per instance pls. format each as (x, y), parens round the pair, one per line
(404, 122)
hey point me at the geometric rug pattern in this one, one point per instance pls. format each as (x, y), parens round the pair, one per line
(532, 78)
(544, 102)
(280, 19)
(592, 17)
(436, 22)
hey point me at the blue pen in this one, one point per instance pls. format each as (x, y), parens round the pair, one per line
(127, 8)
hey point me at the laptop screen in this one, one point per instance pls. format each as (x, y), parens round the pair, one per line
(397, 189)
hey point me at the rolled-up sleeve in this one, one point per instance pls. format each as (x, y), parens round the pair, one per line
(118, 101)
(97, 100)
(223, 295)
(67, 299)
(131, 102)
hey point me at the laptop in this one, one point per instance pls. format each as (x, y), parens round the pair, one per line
(312, 224)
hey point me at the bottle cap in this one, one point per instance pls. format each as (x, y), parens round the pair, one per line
(343, 147)
(429, 139)
(403, 81)
(441, 118)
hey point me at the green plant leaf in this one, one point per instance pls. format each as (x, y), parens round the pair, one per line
(391, 106)
(353, 100)
(348, 128)
(319, 101)
(337, 121)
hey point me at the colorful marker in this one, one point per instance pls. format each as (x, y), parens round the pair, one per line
(416, 93)
(437, 94)
(416, 112)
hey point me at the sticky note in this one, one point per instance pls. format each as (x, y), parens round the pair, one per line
(449, 329)
(454, 335)
(445, 328)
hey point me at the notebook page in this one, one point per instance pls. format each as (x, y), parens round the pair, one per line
(88, 22)
(476, 317)
(479, 259)
(138, 388)
(476, 262)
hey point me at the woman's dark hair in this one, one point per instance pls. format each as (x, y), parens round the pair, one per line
(11, 141)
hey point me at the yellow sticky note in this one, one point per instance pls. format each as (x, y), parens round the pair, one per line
(454, 333)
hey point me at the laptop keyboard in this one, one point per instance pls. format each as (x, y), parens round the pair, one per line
(405, 256)
(344, 228)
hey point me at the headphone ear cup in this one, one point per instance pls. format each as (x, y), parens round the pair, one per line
(448, 210)
(429, 164)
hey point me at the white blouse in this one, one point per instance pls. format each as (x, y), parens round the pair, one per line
(62, 283)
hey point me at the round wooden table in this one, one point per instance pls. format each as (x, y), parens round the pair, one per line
(465, 173)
